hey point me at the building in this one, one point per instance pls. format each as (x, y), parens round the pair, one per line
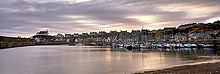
(169, 28)
(76, 34)
(59, 37)
(144, 31)
(113, 32)
(135, 32)
(123, 32)
(85, 34)
(68, 35)
(93, 33)
(42, 36)
(102, 32)
(43, 33)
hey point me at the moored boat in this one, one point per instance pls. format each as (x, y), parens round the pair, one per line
(167, 45)
(129, 47)
(193, 45)
(187, 45)
(80, 44)
(179, 45)
(120, 45)
(143, 46)
(200, 45)
(209, 45)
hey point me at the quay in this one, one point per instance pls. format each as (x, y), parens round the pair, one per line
(50, 43)
(15, 44)
(9, 42)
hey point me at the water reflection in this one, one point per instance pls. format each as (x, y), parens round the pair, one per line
(94, 59)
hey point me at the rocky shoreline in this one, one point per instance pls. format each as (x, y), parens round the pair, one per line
(205, 68)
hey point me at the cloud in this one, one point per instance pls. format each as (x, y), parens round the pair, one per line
(26, 17)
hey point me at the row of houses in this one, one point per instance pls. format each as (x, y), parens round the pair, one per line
(135, 36)
(101, 36)
(203, 35)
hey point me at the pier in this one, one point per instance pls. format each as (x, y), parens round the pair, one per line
(9, 42)
(15, 44)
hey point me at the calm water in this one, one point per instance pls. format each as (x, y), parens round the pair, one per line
(62, 59)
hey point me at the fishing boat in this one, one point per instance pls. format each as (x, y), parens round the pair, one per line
(120, 45)
(143, 46)
(200, 45)
(172, 45)
(193, 45)
(209, 45)
(167, 45)
(155, 45)
(179, 45)
(80, 44)
(187, 45)
(190, 45)
(129, 47)
(161, 46)
(136, 46)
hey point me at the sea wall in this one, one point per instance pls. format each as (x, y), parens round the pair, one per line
(8, 42)
(50, 43)
(15, 44)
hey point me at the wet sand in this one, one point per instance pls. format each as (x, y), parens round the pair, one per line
(204, 68)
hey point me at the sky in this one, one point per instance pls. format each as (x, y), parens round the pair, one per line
(27, 17)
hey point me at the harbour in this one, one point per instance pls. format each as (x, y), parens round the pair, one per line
(67, 59)
(109, 36)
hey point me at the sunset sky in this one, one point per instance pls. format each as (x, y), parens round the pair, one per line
(26, 17)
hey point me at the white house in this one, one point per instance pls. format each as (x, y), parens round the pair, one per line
(43, 33)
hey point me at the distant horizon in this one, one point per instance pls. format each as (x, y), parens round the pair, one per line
(26, 17)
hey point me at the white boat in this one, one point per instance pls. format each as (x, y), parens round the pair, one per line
(209, 45)
(193, 45)
(136, 46)
(120, 45)
(143, 46)
(172, 45)
(80, 44)
(179, 45)
(187, 45)
(161, 45)
(200, 45)
(167, 45)
(190, 45)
